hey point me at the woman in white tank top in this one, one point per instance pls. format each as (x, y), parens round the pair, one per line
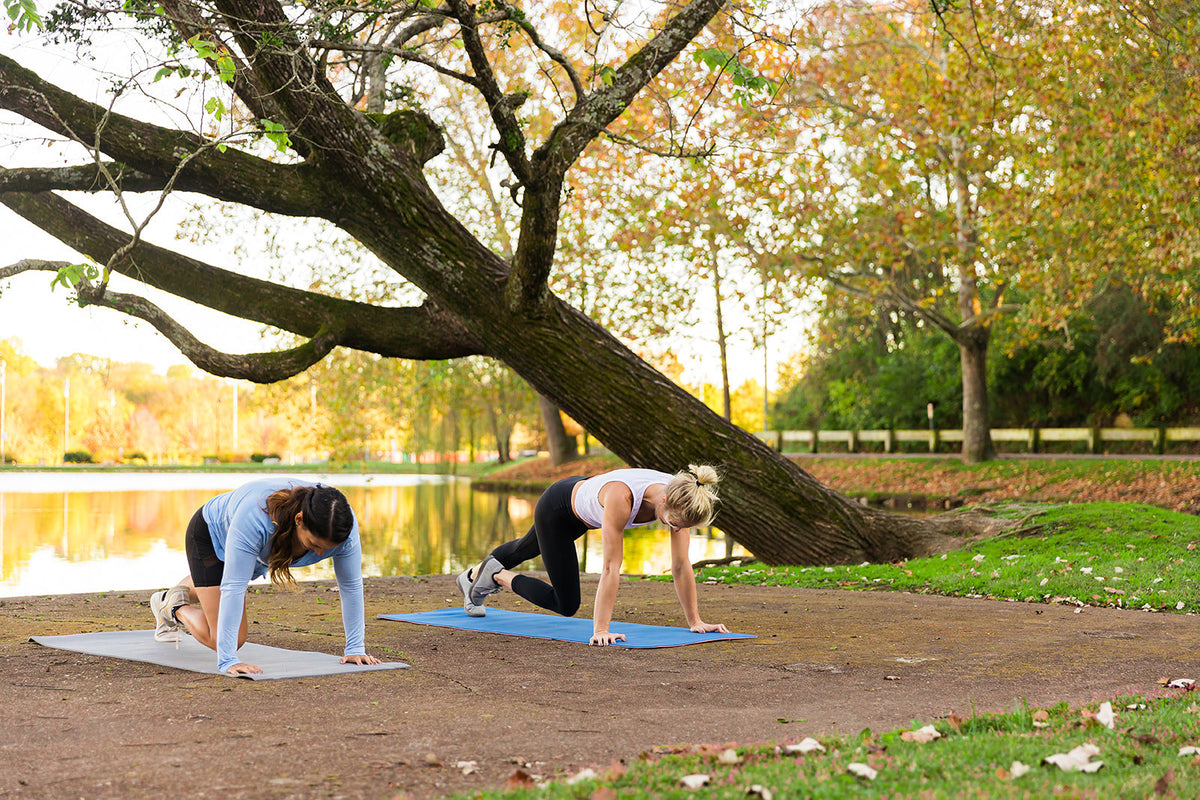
(612, 502)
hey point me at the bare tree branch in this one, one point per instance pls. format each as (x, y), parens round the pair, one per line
(512, 137)
(527, 282)
(555, 55)
(233, 175)
(82, 178)
(425, 332)
(589, 118)
(267, 367)
(400, 53)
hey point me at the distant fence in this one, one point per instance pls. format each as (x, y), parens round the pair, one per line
(1033, 439)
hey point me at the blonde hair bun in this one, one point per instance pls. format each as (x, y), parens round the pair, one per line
(692, 495)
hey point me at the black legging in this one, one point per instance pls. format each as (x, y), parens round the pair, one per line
(555, 529)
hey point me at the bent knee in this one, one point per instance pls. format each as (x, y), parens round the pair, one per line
(569, 609)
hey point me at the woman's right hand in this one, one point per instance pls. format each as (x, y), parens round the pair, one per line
(605, 637)
(244, 669)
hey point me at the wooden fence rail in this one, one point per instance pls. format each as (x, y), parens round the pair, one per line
(1033, 438)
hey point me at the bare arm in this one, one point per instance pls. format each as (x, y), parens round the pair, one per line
(685, 583)
(617, 501)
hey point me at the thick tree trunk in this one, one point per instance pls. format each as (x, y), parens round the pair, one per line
(977, 437)
(770, 505)
(561, 446)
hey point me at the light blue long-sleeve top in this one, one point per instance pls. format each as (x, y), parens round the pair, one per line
(241, 532)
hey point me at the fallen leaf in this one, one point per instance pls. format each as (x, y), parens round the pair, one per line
(1105, 715)
(955, 722)
(805, 745)
(891, 677)
(586, 774)
(729, 756)
(1181, 683)
(1040, 719)
(758, 790)
(520, 779)
(1189, 750)
(431, 760)
(603, 793)
(694, 781)
(862, 770)
(921, 735)
(467, 767)
(1162, 786)
(1018, 769)
(1078, 760)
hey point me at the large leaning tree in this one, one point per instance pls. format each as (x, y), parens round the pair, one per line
(300, 74)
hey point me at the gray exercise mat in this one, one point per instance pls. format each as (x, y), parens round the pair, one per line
(191, 655)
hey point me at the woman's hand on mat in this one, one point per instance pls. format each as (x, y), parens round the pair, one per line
(604, 637)
(708, 627)
(245, 669)
(361, 659)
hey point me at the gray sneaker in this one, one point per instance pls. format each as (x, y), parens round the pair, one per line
(177, 597)
(464, 586)
(485, 581)
(165, 628)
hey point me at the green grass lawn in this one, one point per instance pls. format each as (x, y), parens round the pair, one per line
(1103, 554)
(981, 757)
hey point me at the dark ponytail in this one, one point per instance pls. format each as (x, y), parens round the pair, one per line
(323, 510)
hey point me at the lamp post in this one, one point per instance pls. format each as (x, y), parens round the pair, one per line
(235, 417)
(3, 405)
(66, 415)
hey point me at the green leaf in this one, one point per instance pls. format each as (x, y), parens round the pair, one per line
(203, 48)
(24, 14)
(225, 69)
(72, 275)
(276, 134)
(215, 107)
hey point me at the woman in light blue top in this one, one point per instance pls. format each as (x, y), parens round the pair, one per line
(612, 502)
(265, 527)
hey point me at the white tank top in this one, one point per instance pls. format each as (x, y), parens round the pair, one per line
(587, 493)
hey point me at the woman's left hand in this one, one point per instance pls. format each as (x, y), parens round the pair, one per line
(360, 660)
(705, 627)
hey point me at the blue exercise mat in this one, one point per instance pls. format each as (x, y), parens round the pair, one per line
(566, 629)
(191, 655)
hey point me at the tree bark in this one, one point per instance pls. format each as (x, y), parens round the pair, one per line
(977, 437)
(561, 446)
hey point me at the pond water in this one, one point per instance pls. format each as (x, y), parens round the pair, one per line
(91, 532)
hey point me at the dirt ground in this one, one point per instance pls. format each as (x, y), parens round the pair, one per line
(476, 707)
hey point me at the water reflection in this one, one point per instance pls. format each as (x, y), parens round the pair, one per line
(54, 542)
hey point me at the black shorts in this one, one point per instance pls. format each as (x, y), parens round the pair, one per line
(205, 566)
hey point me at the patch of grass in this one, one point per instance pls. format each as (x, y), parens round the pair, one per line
(973, 759)
(1102, 554)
